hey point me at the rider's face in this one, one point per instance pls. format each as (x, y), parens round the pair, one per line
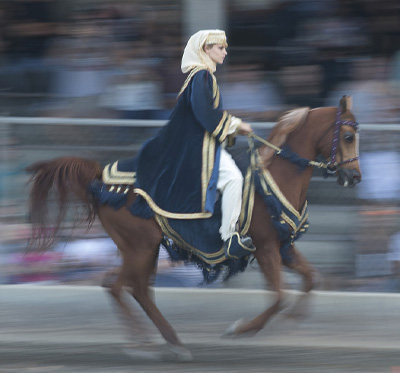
(216, 52)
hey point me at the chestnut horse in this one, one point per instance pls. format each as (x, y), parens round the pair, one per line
(326, 131)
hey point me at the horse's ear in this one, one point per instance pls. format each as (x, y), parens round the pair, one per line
(346, 103)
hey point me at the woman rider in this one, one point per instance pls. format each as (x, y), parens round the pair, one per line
(181, 169)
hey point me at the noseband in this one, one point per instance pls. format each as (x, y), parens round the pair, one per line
(332, 165)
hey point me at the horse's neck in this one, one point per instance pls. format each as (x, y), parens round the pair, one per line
(291, 180)
(292, 183)
(303, 141)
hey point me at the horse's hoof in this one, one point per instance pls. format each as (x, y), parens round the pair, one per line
(181, 352)
(316, 280)
(297, 312)
(283, 307)
(232, 330)
(109, 280)
(143, 352)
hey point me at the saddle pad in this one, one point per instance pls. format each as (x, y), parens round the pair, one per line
(120, 172)
(200, 238)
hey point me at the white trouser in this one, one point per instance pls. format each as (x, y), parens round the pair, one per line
(230, 183)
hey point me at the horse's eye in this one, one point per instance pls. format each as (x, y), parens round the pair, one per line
(349, 137)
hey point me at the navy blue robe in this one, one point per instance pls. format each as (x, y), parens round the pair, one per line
(177, 171)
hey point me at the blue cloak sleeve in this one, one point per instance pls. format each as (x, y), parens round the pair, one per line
(205, 102)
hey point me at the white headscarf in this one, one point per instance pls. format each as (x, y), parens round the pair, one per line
(194, 55)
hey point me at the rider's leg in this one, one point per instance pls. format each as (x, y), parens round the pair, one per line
(230, 183)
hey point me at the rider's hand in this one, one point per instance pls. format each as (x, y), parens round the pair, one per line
(245, 128)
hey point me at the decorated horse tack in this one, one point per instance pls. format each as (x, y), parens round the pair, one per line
(331, 166)
(300, 135)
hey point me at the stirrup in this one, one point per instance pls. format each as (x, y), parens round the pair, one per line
(236, 247)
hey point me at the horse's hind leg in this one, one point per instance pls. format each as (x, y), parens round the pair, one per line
(301, 266)
(138, 240)
(139, 266)
(141, 293)
(138, 333)
(135, 273)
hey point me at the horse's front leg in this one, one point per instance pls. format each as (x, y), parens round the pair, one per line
(300, 265)
(269, 261)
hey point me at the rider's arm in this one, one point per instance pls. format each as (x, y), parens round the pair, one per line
(204, 100)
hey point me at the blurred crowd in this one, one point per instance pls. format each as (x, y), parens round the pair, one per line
(81, 259)
(77, 58)
(121, 59)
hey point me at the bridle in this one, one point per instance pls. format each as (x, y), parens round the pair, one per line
(331, 166)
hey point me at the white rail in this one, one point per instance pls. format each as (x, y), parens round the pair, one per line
(153, 123)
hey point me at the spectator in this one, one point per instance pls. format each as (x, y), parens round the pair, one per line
(28, 31)
(394, 258)
(135, 90)
(374, 99)
(80, 67)
(248, 94)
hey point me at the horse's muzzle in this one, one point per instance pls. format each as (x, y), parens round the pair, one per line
(348, 177)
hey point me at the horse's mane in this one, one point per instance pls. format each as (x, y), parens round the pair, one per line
(286, 125)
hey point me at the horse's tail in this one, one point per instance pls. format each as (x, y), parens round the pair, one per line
(70, 178)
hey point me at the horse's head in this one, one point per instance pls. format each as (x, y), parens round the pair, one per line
(344, 149)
